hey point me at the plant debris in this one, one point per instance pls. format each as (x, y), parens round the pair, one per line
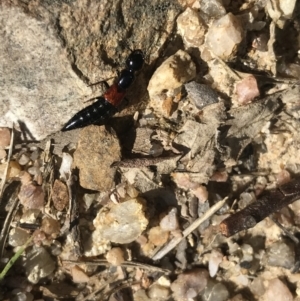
(262, 208)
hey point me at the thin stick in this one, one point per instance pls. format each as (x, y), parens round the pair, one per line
(287, 233)
(7, 163)
(125, 264)
(9, 217)
(272, 201)
(175, 241)
(142, 162)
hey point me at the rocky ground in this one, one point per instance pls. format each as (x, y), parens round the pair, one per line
(190, 191)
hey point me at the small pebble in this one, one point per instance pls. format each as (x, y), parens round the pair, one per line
(257, 287)
(39, 237)
(215, 291)
(132, 192)
(201, 193)
(120, 223)
(246, 198)
(30, 216)
(115, 256)
(94, 159)
(18, 237)
(114, 197)
(238, 277)
(281, 254)
(78, 275)
(5, 137)
(224, 36)
(201, 95)
(50, 226)
(246, 90)
(219, 176)
(164, 281)
(247, 253)
(202, 208)
(189, 284)
(213, 8)
(121, 190)
(170, 221)
(215, 259)
(156, 149)
(14, 169)
(260, 42)
(38, 264)
(183, 180)
(34, 155)
(166, 82)
(56, 248)
(191, 27)
(31, 196)
(24, 159)
(157, 236)
(157, 291)
(281, 11)
(25, 178)
(283, 177)
(38, 178)
(33, 170)
(88, 199)
(65, 167)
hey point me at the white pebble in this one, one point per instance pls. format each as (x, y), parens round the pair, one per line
(24, 159)
(65, 167)
(215, 259)
(170, 221)
(224, 36)
(158, 291)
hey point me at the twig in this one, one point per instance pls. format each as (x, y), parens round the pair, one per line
(287, 233)
(9, 217)
(175, 241)
(271, 202)
(142, 162)
(74, 215)
(125, 264)
(7, 163)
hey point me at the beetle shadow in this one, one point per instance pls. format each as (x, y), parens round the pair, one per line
(24, 135)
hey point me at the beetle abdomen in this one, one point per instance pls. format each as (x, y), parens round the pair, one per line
(95, 113)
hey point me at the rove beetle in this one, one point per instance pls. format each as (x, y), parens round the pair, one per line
(107, 104)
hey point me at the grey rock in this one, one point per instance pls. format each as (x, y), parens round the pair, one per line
(202, 95)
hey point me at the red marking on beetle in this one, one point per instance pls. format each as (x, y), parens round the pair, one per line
(114, 95)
